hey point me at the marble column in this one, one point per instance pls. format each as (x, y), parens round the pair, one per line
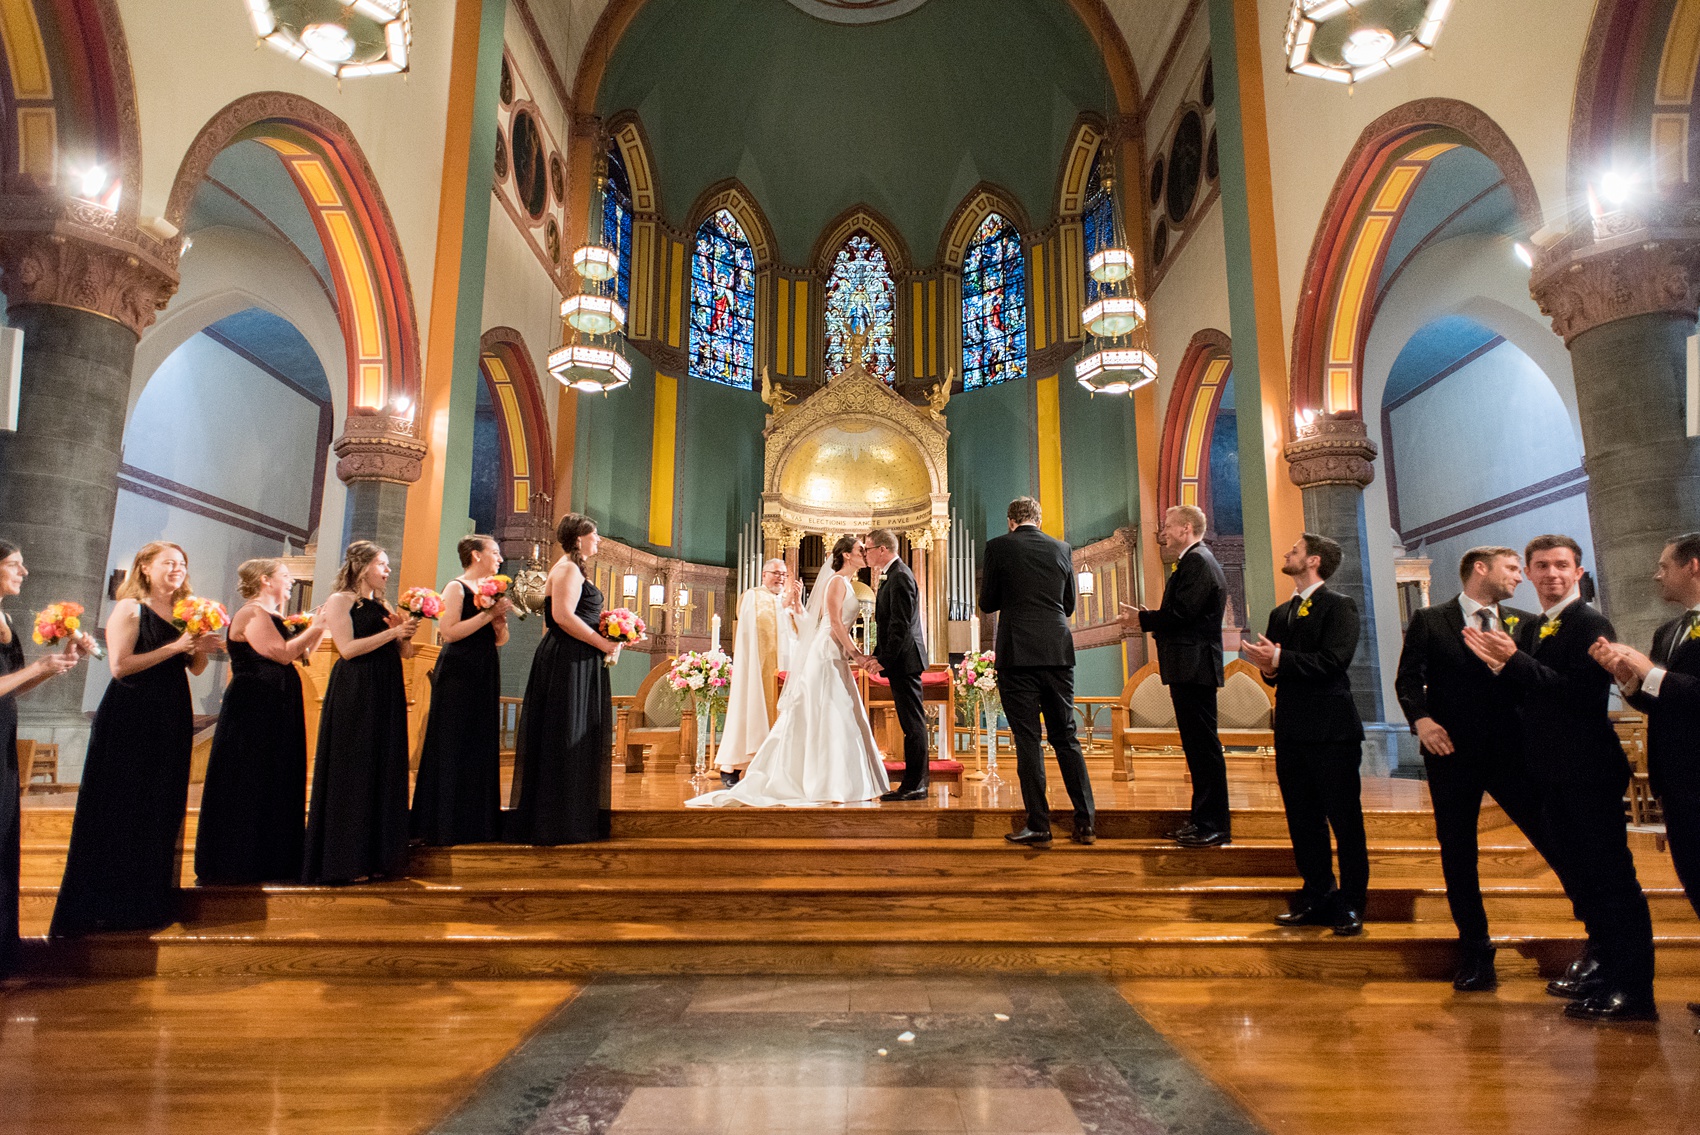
(81, 286)
(1623, 294)
(378, 456)
(1332, 461)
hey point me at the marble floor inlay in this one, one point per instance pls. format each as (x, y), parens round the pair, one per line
(1012, 1055)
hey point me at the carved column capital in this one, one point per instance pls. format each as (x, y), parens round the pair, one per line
(378, 447)
(1622, 265)
(1331, 451)
(73, 253)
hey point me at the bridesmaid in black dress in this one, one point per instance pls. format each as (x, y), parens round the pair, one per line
(562, 770)
(254, 804)
(457, 798)
(121, 871)
(357, 822)
(16, 678)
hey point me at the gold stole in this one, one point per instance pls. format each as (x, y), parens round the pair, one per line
(767, 644)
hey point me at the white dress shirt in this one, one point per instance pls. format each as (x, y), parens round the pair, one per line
(1656, 676)
(1470, 607)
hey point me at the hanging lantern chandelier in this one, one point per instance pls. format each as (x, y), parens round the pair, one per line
(1118, 358)
(1347, 41)
(592, 359)
(344, 40)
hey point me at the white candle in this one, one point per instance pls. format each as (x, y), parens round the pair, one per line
(974, 633)
(714, 628)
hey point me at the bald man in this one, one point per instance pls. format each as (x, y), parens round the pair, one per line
(767, 628)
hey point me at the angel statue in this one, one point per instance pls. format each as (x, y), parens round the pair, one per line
(939, 396)
(778, 398)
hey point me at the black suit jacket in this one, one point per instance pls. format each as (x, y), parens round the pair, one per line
(1029, 578)
(1313, 692)
(1567, 736)
(1673, 718)
(1440, 677)
(901, 646)
(1188, 624)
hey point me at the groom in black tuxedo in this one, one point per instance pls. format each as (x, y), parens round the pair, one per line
(900, 653)
(1029, 580)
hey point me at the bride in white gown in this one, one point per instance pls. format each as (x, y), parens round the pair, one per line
(821, 749)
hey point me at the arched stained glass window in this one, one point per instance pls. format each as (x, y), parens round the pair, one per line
(994, 306)
(861, 287)
(723, 303)
(1096, 222)
(617, 222)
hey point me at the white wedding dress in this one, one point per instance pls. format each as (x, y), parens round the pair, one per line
(821, 748)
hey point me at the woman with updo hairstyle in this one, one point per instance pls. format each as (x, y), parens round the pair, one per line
(121, 870)
(458, 795)
(562, 771)
(17, 677)
(357, 821)
(254, 803)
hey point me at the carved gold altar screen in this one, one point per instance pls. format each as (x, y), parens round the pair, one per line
(854, 456)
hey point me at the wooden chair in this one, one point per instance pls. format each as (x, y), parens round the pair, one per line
(1644, 809)
(937, 691)
(1144, 718)
(652, 721)
(37, 759)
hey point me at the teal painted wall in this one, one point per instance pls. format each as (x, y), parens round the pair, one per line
(1100, 468)
(719, 474)
(992, 454)
(611, 458)
(1098, 672)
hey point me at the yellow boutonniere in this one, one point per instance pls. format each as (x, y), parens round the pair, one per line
(1511, 622)
(1694, 633)
(1304, 608)
(1551, 628)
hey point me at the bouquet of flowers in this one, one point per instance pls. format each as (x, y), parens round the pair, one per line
(976, 678)
(61, 621)
(490, 589)
(295, 624)
(703, 676)
(620, 625)
(422, 602)
(199, 616)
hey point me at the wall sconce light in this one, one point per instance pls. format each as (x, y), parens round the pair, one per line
(658, 595)
(629, 586)
(1084, 582)
(683, 598)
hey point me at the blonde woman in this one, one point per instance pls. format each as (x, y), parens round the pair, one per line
(254, 804)
(121, 871)
(357, 822)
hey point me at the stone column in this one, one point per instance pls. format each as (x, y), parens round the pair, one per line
(1624, 296)
(81, 286)
(1331, 461)
(378, 456)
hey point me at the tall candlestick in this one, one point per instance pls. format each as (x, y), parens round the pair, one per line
(974, 632)
(714, 629)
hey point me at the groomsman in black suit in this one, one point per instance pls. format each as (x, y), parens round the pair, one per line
(1188, 629)
(900, 653)
(1465, 718)
(1570, 746)
(1318, 736)
(1666, 687)
(1029, 579)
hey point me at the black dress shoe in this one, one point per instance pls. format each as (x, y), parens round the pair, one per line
(1304, 910)
(906, 794)
(1203, 837)
(1185, 829)
(1613, 1006)
(1348, 923)
(1476, 973)
(1083, 835)
(1581, 980)
(1027, 837)
(731, 779)
(1694, 1007)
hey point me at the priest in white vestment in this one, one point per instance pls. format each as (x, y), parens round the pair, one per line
(767, 629)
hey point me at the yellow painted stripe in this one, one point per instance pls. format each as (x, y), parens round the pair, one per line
(933, 326)
(676, 294)
(1339, 392)
(1071, 250)
(38, 143)
(1189, 493)
(25, 51)
(371, 384)
(1038, 279)
(782, 349)
(918, 295)
(1050, 456)
(1197, 430)
(800, 337)
(661, 460)
(287, 148)
(515, 431)
(642, 277)
(522, 495)
(1429, 152)
(1393, 190)
(318, 183)
(1681, 56)
(351, 258)
(1670, 149)
(1354, 287)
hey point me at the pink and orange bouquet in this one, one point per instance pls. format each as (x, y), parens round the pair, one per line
(57, 623)
(490, 589)
(199, 616)
(295, 624)
(622, 625)
(422, 602)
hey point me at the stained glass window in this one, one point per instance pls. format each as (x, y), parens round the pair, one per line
(617, 222)
(1097, 224)
(861, 288)
(723, 303)
(994, 306)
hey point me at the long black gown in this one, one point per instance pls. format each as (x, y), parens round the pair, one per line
(457, 798)
(11, 661)
(357, 822)
(121, 872)
(253, 807)
(562, 767)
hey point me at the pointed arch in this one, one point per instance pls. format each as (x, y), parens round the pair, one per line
(722, 343)
(981, 201)
(522, 420)
(1073, 187)
(374, 298)
(861, 218)
(626, 134)
(1336, 305)
(1183, 475)
(734, 197)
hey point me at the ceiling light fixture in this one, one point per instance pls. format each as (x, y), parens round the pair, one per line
(1347, 41)
(343, 40)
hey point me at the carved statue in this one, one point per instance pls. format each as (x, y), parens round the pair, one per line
(778, 399)
(939, 396)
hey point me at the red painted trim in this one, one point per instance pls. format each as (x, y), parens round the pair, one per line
(1206, 347)
(508, 345)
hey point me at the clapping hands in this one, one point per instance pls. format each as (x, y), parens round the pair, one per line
(1626, 665)
(1495, 648)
